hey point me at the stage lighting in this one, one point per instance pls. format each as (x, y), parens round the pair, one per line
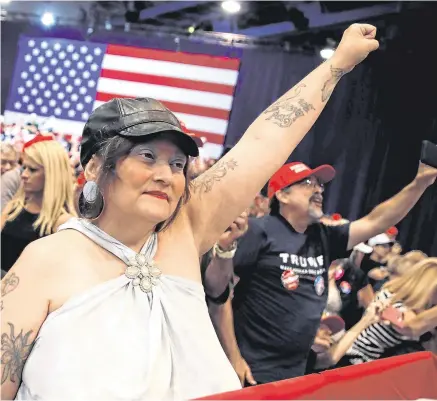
(231, 6)
(48, 19)
(326, 53)
(191, 29)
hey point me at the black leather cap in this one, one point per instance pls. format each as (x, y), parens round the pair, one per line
(132, 118)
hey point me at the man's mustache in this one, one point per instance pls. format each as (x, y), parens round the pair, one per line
(316, 198)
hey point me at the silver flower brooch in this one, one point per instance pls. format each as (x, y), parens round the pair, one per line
(142, 272)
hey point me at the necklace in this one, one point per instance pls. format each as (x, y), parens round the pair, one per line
(141, 268)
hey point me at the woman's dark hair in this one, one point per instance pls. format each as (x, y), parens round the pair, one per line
(113, 149)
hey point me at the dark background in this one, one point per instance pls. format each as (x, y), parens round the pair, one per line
(371, 129)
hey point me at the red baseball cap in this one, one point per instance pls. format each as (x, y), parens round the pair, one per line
(196, 139)
(295, 172)
(334, 323)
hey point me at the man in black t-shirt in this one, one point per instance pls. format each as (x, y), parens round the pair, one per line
(282, 293)
(282, 262)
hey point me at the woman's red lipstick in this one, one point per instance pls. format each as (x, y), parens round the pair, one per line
(158, 194)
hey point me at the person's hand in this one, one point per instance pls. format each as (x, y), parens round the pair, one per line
(396, 249)
(357, 42)
(426, 175)
(236, 230)
(373, 312)
(243, 371)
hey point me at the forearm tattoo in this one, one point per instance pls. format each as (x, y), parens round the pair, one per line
(15, 350)
(205, 182)
(329, 85)
(286, 111)
(9, 283)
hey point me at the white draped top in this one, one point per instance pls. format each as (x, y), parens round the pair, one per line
(117, 342)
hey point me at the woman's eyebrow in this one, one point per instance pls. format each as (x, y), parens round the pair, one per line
(181, 155)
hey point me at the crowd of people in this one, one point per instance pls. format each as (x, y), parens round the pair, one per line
(102, 239)
(348, 306)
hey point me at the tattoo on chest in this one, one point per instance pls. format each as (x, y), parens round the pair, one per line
(15, 350)
(9, 283)
(286, 111)
(206, 181)
(329, 85)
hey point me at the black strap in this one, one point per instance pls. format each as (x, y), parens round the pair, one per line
(221, 299)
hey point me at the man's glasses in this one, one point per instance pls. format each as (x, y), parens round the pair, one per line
(311, 182)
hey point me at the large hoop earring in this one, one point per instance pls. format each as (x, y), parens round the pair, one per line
(91, 201)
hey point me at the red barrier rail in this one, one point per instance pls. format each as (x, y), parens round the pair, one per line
(406, 377)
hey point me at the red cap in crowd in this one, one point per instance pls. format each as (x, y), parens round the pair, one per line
(38, 138)
(295, 172)
(392, 231)
(198, 140)
(336, 217)
(334, 323)
(81, 180)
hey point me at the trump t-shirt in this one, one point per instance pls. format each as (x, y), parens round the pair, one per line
(282, 292)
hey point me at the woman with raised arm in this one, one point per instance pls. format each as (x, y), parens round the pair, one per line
(112, 306)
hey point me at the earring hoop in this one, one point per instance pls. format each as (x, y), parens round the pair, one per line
(91, 201)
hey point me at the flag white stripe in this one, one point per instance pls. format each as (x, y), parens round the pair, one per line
(195, 122)
(164, 93)
(206, 124)
(211, 150)
(170, 69)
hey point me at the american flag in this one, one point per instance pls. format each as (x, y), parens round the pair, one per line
(63, 81)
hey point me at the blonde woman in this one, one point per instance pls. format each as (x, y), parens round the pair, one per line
(43, 202)
(411, 295)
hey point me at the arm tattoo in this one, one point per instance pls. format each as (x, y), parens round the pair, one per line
(15, 350)
(9, 283)
(286, 111)
(329, 85)
(206, 181)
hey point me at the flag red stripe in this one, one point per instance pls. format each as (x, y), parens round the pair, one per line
(211, 138)
(167, 81)
(175, 57)
(176, 107)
